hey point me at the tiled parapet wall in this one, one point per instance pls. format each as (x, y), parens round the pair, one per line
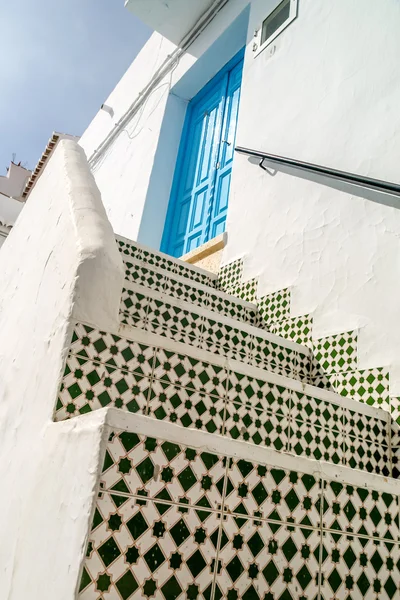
(132, 252)
(200, 328)
(175, 521)
(226, 398)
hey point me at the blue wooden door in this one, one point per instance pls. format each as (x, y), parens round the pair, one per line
(199, 199)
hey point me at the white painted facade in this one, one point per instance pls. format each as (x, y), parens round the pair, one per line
(321, 92)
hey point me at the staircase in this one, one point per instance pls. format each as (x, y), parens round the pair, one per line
(226, 474)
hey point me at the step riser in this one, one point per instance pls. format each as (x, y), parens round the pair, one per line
(132, 252)
(198, 523)
(198, 331)
(191, 393)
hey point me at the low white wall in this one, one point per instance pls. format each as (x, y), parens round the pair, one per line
(59, 263)
(9, 209)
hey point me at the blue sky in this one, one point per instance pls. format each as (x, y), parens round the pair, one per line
(59, 60)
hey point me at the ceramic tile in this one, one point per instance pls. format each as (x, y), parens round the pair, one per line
(232, 309)
(189, 372)
(186, 292)
(247, 290)
(155, 260)
(356, 568)
(226, 340)
(260, 394)
(145, 277)
(230, 275)
(362, 454)
(296, 329)
(266, 353)
(162, 470)
(88, 385)
(275, 307)
(128, 250)
(243, 422)
(370, 386)
(174, 322)
(193, 275)
(315, 442)
(136, 306)
(144, 549)
(261, 561)
(317, 412)
(336, 353)
(367, 427)
(186, 407)
(360, 510)
(112, 350)
(270, 493)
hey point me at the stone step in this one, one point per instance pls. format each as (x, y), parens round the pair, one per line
(171, 382)
(210, 517)
(200, 327)
(133, 252)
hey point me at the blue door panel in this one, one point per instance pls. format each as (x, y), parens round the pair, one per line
(199, 198)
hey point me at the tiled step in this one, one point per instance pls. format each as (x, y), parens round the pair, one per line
(208, 517)
(169, 382)
(133, 252)
(198, 326)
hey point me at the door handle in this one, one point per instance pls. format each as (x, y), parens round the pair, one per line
(226, 142)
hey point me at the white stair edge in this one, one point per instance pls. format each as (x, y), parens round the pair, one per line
(210, 314)
(173, 259)
(151, 339)
(195, 284)
(118, 419)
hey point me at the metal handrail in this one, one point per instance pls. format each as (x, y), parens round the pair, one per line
(366, 182)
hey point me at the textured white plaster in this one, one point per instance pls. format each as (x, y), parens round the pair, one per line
(51, 265)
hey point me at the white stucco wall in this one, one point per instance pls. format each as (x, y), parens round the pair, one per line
(14, 182)
(326, 91)
(54, 266)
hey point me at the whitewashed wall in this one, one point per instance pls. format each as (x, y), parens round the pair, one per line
(324, 94)
(54, 265)
(326, 91)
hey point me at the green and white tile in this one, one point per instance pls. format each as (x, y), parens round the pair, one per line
(260, 394)
(356, 568)
(361, 511)
(362, 454)
(335, 353)
(163, 470)
(143, 549)
(315, 442)
(88, 385)
(247, 290)
(370, 386)
(230, 275)
(263, 428)
(296, 329)
(267, 492)
(275, 307)
(145, 277)
(260, 561)
(317, 412)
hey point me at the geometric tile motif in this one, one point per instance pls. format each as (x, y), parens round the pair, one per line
(372, 428)
(163, 471)
(186, 407)
(231, 309)
(186, 292)
(88, 385)
(247, 290)
(135, 306)
(112, 350)
(262, 561)
(268, 492)
(275, 307)
(262, 428)
(230, 275)
(336, 353)
(356, 567)
(296, 329)
(260, 394)
(145, 277)
(182, 325)
(370, 386)
(361, 511)
(311, 441)
(266, 353)
(362, 454)
(226, 340)
(144, 549)
(316, 412)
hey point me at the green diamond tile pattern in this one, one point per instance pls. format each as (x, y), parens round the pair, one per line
(131, 252)
(363, 455)
(245, 423)
(361, 511)
(144, 549)
(335, 353)
(296, 329)
(275, 307)
(162, 470)
(370, 386)
(356, 567)
(258, 561)
(230, 275)
(177, 522)
(247, 290)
